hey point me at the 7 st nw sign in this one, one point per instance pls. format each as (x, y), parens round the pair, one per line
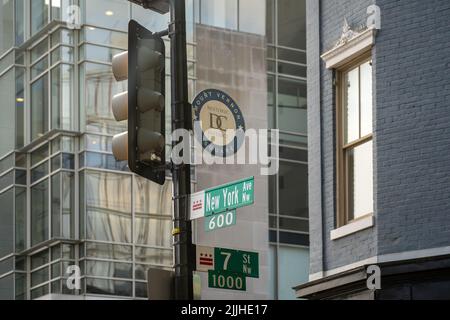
(223, 198)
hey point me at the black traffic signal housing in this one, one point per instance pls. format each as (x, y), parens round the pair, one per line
(143, 105)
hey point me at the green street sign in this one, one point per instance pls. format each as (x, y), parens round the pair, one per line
(228, 197)
(235, 261)
(220, 221)
(226, 280)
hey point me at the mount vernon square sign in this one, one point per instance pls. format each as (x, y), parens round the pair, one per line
(219, 115)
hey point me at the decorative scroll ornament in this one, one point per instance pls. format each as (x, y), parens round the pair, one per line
(348, 34)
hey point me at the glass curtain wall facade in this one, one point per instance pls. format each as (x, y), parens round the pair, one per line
(66, 201)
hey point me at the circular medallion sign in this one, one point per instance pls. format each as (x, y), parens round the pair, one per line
(221, 122)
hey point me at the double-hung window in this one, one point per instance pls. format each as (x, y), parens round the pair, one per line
(355, 141)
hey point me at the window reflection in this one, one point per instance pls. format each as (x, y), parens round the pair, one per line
(108, 207)
(39, 14)
(39, 213)
(219, 13)
(292, 106)
(39, 107)
(113, 14)
(99, 87)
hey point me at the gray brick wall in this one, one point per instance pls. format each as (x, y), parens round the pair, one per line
(362, 245)
(411, 130)
(413, 125)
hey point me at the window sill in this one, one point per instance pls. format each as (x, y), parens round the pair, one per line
(353, 227)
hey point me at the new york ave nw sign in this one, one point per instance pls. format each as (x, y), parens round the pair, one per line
(223, 198)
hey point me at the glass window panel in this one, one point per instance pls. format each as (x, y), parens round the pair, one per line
(351, 106)
(109, 269)
(39, 50)
(21, 263)
(293, 154)
(151, 198)
(273, 194)
(99, 86)
(68, 205)
(21, 286)
(56, 286)
(292, 69)
(108, 198)
(366, 99)
(219, 13)
(19, 21)
(109, 287)
(21, 160)
(63, 54)
(293, 189)
(294, 225)
(108, 251)
(56, 205)
(6, 265)
(40, 67)
(39, 155)
(292, 106)
(56, 162)
(39, 213)
(6, 25)
(113, 14)
(7, 288)
(360, 181)
(292, 55)
(141, 290)
(39, 259)
(154, 256)
(7, 120)
(56, 252)
(62, 97)
(104, 161)
(300, 141)
(39, 172)
(256, 9)
(7, 180)
(82, 210)
(39, 14)
(271, 101)
(292, 23)
(67, 144)
(105, 37)
(21, 218)
(39, 277)
(39, 292)
(7, 163)
(151, 19)
(59, 9)
(20, 107)
(56, 270)
(98, 143)
(39, 107)
(68, 161)
(21, 177)
(68, 252)
(97, 53)
(62, 36)
(7, 223)
(153, 231)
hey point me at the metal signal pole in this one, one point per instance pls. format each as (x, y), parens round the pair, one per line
(181, 119)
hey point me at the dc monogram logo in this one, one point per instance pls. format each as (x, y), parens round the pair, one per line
(222, 123)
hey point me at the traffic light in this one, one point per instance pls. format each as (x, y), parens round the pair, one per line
(143, 105)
